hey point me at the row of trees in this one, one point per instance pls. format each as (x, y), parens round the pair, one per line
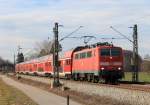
(20, 57)
(6, 65)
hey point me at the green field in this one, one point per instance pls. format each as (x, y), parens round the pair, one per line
(12, 96)
(143, 76)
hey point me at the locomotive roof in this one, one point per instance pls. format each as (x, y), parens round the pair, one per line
(102, 45)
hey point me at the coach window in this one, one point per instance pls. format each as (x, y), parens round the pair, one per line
(35, 65)
(49, 63)
(89, 54)
(46, 64)
(68, 62)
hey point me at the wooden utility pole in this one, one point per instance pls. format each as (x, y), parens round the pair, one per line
(135, 77)
(56, 82)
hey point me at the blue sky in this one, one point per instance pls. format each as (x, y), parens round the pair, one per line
(25, 22)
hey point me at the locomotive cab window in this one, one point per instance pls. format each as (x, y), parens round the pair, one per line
(115, 52)
(110, 52)
(105, 52)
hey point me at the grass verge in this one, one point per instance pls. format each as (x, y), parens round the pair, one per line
(143, 76)
(12, 96)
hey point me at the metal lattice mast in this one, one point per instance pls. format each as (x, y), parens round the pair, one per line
(135, 77)
(55, 56)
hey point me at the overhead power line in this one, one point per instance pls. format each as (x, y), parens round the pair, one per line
(86, 38)
(71, 33)
(121, 34)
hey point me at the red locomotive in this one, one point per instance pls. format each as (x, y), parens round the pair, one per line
(91, 63)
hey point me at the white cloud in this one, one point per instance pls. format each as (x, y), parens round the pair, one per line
(20, 24)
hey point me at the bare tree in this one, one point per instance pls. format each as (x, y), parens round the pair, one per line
(45, 47)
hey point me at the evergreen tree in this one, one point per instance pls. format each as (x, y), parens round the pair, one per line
(20, 58)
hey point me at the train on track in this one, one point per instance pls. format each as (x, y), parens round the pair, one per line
(100, 61)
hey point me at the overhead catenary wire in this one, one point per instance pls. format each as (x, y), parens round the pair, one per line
(86, 38)
(121, 34)
(71, 33)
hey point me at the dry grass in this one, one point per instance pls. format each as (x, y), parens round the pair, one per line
(82, 98)
(143, 76)
(12, 96)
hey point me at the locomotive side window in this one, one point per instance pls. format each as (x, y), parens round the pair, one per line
(115, 52)
(83, 55)
(89, 54)
(105, 52)
(77, 56)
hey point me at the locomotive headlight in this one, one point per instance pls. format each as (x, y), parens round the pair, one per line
(102, 68)
(119, 68)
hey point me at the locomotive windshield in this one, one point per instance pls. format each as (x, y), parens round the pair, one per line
(115, 52)
(105, 52)
(110, 52)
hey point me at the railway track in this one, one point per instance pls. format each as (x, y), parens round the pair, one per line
(137, 87)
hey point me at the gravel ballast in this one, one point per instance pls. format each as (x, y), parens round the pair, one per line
(133, 97)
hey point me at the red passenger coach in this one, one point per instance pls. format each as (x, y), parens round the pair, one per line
(38, 66)
(66, 64)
